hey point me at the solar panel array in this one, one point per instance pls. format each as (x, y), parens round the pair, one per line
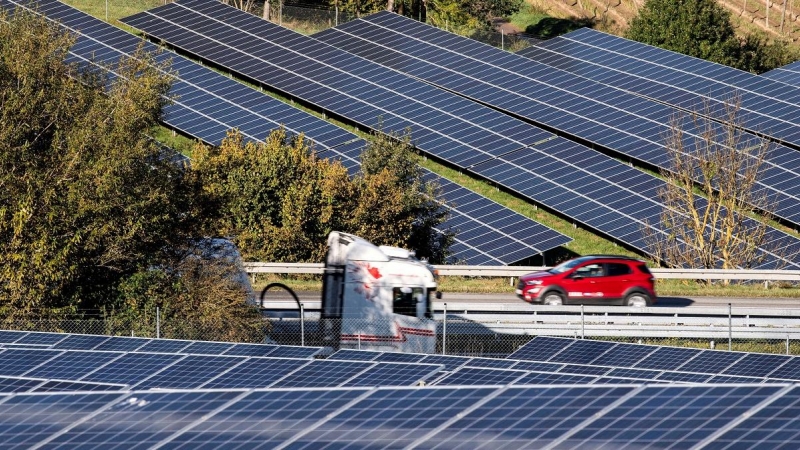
(788, 74)
(572, 103)
(614, 416)
(569, 178)
(209, 104)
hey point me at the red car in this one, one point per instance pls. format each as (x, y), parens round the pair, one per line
(594, 279)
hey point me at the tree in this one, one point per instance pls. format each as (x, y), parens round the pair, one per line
(86, 197)
(711, 189)
(460, 15)
(703, 29)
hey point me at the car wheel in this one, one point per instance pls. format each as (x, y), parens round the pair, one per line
(637, 300)
(553, 298)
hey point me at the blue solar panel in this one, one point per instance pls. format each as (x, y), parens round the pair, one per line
(255, 373)
(41, 338)
(494, 363)
(250, 350)
(449, 362)
(756, 365)
(676, 414)
(684, 377)
(73, 365)
(164, 346)
(639, 374)
(788, 74)
(81, 342)
(288, 351)
(625, 355)
(190, 372)
(537, 366)
(16, 362)
(17, 384)
(711, 361)
(541, 348)
(583, 352)
(8, 337)
(578, 369)
(72, 386)
(142, 420)
(466, 376)
(667, 358)
(354, 355)
(394, 374)
(29, 419)
(400, 357)
(207, 348)
(526, 417)
(788, 371)
(323, 373)
(131, 368)
(555, 378)
(122, 344)
(264, 419)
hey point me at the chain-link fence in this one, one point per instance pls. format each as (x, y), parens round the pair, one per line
(451, 335)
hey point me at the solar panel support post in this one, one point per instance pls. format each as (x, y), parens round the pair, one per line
(444, 329)
(302, 326)
(730, 327)
(106, 10)
(502, 39)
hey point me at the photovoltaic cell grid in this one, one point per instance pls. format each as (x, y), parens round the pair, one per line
(563, 100)
(690, 83)
(209, 102)
(708, 416)
(788, 74)
(268, 49)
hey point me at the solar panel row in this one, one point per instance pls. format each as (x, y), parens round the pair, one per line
(564, 100)
(676, 416)
(208, 104)
(337, 80)
(788, 74)
(191, 371)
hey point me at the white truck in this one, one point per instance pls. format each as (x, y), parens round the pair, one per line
(376, 298)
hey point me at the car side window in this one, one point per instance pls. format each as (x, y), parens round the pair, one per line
(618, 269)
(590, 271)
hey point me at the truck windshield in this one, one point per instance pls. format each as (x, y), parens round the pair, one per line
(405, 301)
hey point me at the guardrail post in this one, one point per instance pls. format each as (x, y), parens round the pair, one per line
(787, 343)
(444, 330)
(730, 327)
(583, 324)
(302, 326)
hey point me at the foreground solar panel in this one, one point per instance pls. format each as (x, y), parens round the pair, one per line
(691, 83)
(190, 372)
(547, 96)
(209, 104)
(342, 83)
(642, 416)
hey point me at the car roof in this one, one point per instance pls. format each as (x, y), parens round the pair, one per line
(627, 258)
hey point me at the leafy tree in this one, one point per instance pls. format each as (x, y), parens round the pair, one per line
(711, 188)
(87, 198)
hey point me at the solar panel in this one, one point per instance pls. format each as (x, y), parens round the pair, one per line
(525, 417)
(639, 374)
(583, 352)
(123, 344)
(450, 362)
(680, 415)
(470, 376)
(264, 419)
(131, 368)
(494, 363)
(676, 79)
(587, 110)
(775, 425)
(255, 373)
(73, 365)
(625, 355)
(190, 372)
(667, 358)
(541, 348)
(389, 418)
(207, 348)
(734, 379)
(17, 384)
(250, 350)
(142, 420)
(289, 351)
(394, 374)
(72, 386)
(788, 371)
(29, 419)
(354, 355)
(684, 377)
(16, 362)
(164, 346)
(789, 74)
(578, 369)
(756, 365)
(81, 342)
(41, 338)
(9, 337)
(323, 373)
(555, 378)
(401, 357)
(537, 366)
(711, 361)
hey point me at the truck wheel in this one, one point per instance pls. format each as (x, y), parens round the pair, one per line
(637, 300)
(553, 298)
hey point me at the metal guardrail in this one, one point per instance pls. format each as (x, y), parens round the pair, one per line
(516, 271)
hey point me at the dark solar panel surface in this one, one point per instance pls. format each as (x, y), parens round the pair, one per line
(466, 376)
(394, 374)
(583, 352)
(354, 355)
(73, 386)
(555, 378)
(73, 365)
(207, 348)
(541, 348)
(14, 362)
(548, 96)
(81, 342)
(679, 415)
(41, 338)
(711, 361)
(16, 384)
(578, 369)
(495, 363)
(323, 373)
(8, 337)
(123, 344)
(164, 345)
(287, 351)
(132, 368)
(788, 371)
(788, 74)
(676, 79)
(684, 377)
(255, 373)
(190, 372)
(250, 350)
(400, 357)
(756, 365)
(625, 355)
(449, 362)
(209, 104)
(537, 366)
(633, 373)
(667, 358)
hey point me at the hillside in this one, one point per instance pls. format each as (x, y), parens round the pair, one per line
(780, 18)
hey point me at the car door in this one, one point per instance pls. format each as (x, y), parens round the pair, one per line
(582, 284)
(616, 281)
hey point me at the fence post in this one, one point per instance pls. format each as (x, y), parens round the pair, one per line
(502, 39)
(787, 343)
(158, 322)
(730, 327)
(302, 326)
(444, 330)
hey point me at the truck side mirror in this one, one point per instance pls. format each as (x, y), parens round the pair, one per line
(438, 295)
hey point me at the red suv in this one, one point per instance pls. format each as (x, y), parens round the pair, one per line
(594, 279)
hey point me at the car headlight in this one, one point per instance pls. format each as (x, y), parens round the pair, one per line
(533, 282)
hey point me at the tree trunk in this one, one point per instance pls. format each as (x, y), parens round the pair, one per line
(390, 5)
(266, 10)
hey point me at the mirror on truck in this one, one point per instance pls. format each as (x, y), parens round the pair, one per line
(438, 295)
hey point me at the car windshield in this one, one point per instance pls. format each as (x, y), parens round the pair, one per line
(566, 265)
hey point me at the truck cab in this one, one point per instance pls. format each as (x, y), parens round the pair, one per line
(377, 297)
